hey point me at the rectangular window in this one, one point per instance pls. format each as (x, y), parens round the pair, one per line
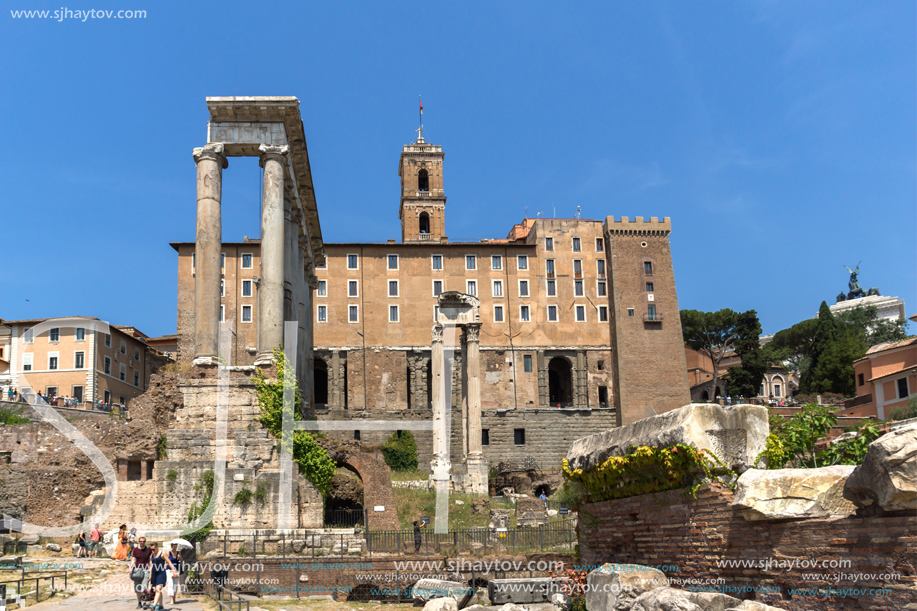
(498, 288)
(137, 355)
(522, 262)
(353, 288)
(630, 311)
(549, 244)
(649, 287)
(524, 314)
(437, 287)
(322, 313)
(902, 388)
(28, 336)
(600, 289)
(485, 437)
(603, 313)
(193, 261)
(437, 262)
(523, 288)
(223, 260)
(519, 437)
(353, 313)
(246, 260)
(552, 288)
(79, 360)
(106, 367)
(552, 313)
(392, 288)
(247, 287)
(80, 334)
(222, 313)
(51, 391)
(600, 268)
(471, 262)
(137, 379)
(222, 288)
(123, 347)
(54, 334)
(577, 246)
(78, 393)
(776, 390)
(578, 288)
(393, 313)
(52, 361)
(651, 312)
(648, 268)
(471, 287)
(322, 288)
(435, 313)
(352, 262)
(860, 379)
(527, 363)
(246, 313)
(108, 340)
(578, 268)
(27, 361)
(393, 261)
(599, 245)
(549, 267)
(496, 262)
(498, 313)
(580, 313)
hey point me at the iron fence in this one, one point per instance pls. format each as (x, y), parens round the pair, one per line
(343, 518)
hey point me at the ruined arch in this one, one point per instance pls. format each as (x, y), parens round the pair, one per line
(560, 381)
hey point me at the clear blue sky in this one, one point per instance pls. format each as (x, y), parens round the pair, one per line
(779, 136)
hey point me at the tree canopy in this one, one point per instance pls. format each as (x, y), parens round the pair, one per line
(744, 380)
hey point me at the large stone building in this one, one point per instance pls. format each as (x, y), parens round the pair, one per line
(579, 321)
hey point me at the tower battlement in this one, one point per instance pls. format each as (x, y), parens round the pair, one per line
(638, 226)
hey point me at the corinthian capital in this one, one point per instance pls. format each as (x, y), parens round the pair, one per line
(437, 333)
(212, 151)
(472, 332)
(273, 151)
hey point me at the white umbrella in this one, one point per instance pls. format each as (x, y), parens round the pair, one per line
(180, 543)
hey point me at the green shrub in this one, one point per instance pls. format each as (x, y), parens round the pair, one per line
(172, 475)
(261, 493)
(161, 447)
(242, 497)
(400, 451)
(12, 415)
(904, 412)
(197, 510)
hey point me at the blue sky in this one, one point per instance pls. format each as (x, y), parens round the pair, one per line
(779, 136)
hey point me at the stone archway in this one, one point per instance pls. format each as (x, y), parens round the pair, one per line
(560, 382)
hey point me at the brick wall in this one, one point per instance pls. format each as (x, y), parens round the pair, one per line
(695, 534)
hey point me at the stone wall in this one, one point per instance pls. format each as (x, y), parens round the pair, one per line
(702, 535)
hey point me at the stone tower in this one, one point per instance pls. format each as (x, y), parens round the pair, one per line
(648, 366)
(423, 203)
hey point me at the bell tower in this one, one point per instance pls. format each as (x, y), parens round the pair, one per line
(423, 203)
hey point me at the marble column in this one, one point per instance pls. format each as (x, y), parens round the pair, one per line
(475, 463)
(465, 399)
(270, 293)
(208, 248)
(440, 443)
(290, 235)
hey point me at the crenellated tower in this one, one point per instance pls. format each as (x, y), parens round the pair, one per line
(423, 202)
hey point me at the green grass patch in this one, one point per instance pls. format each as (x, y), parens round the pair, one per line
(410, 476)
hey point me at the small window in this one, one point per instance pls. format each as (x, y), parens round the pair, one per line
(352, 262)
(423, 223)
(437, 287)
(496, 262)
(485, 437)
(552, 313)
(322, 313)
(435, 313)
(471, 287)
(578, 268)
(353, 313)
(522, 262)
(580, 313)
(78, 393)
(552, 288)
(776, 390)
(578, 288)
(393, 313)
(861, 379)
(222, 288)
(247, 287)
(356, 435)
(527, 363)
(423, 181)
(601, 289)
(471, 262)
(524, 314)
(137, 355)
(123, 347)
(437, 262)
(648, 268)
(246, 313)
(79, 360)
(392, 288)
(321, 290)
(54, 334)
(246, 260)
(51, 391)
(222, 313)
(353, 288)
(549, 244)
(80, 334)
(599, 245)
(498, 288)
(600, 365)
(649, 287)
(603, 313)
(193, 261)
(137, 379)
(902, 388)
(519, 437)
(28, 336)
(600, 268)
(577, 246)
(27, 361)
(52, 361)
(393, 261)
(549, 267)
(106, 367)
(498, 313)
(630, 311)
(108, 340)
(523, 288)
(223, 260)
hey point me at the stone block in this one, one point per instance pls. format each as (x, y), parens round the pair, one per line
(617, 586)
(793, 493)
(429, 589)
(29, 539)
(751, 605)
(441, 604)
(52, 547)
(736, 435)
(888, 475)
(525, 590)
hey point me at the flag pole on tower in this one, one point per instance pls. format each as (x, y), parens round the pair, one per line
(420, 120)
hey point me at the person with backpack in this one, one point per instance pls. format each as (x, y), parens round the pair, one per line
(140, 569)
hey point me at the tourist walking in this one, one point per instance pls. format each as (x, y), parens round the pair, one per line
(95, 541)
(141, 561)
(161, 567)
(418, 538)
(83, 552)
(173, 583)
(121, 547)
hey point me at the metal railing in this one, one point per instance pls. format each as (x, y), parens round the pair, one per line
(555, 536)
(652, 318)
(225, 598)
(19, 597)
(343, 518)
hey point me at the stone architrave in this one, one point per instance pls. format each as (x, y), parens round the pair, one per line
(736, 435)
(887, 476)
(667, 599)
(780, 494)
(210, 163)
(271, 290)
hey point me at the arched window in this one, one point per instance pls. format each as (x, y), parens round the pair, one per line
(424, 222)
(423, 181)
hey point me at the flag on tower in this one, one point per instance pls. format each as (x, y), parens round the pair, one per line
(421, 105)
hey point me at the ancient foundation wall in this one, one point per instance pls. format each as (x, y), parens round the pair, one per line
(707, 539)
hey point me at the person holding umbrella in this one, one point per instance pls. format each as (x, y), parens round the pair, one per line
(174, 583)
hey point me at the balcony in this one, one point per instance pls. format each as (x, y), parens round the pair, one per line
(652, 318)
(425, 237)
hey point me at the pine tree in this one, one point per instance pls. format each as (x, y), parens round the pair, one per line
(744, 380)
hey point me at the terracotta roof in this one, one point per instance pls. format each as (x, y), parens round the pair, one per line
(892, 345)
(898, 371)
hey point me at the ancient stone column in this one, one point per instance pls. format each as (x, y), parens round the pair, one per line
(439, 389)
(475, 464)
(207, 250)
(290, 235)
(270, 292)
(465, 398)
